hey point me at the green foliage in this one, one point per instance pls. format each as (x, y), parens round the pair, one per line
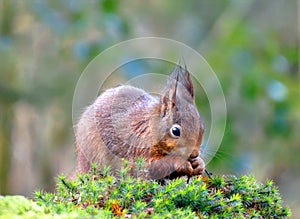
(18, 205)
(101, 194)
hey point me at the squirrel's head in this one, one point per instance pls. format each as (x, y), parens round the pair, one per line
(179, 127)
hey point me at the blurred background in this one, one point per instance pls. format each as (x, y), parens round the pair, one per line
(252, 46)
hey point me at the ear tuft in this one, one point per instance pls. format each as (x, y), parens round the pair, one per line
(182, 76)
(180, 83)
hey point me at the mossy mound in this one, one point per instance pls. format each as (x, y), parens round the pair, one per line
(103, 195)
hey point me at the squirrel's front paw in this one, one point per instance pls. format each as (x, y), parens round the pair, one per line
(192, 167)
(185, 169)
(197, 164)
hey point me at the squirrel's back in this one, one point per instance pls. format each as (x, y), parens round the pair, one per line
(115, 126)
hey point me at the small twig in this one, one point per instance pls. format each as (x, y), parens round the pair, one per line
(188, 180)
(208, 174)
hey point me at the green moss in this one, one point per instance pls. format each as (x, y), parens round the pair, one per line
(102, 195)
(18, 205)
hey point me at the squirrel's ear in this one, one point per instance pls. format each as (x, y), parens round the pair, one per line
(184, 79)
(179, 83)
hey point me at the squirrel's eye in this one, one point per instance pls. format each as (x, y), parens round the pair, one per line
(175, 131)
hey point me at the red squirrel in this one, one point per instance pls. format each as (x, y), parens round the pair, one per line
(127, 122)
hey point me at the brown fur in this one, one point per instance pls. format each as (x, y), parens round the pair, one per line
(126, 122)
